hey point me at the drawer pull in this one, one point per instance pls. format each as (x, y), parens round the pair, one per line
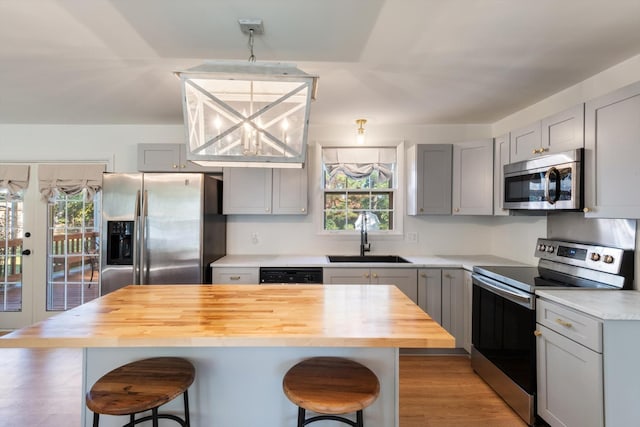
(537, 333)
(234, 277)
(564, 323)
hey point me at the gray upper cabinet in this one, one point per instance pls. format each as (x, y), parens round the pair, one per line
(501, 152)
(168, 158)
(563, 131)
(559, 132)
(525, 142)
(265, 191)
(429, 179)
(612, 150)
(472, 190)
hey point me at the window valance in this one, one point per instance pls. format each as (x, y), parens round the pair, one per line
(359, 162)
(14, 178)
(70, 179)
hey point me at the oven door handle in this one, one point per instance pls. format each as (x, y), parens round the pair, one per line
(505, 291)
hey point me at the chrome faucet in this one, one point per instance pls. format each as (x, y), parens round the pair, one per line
(365, 246)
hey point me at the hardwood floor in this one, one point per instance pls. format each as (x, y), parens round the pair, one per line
(42, 387)
(443, 391)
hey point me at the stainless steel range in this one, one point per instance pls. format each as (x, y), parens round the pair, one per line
(503, 311)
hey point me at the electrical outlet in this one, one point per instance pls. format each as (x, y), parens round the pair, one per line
(254, 238)
(412, 237)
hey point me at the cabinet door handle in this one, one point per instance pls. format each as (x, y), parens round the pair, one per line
(534, 151)
(456, 210)
(234, 277)
(423, 275)
(537, 333)
(375, 275)
(175, 166)
(366, 275)
(586, 210)
(564, 323)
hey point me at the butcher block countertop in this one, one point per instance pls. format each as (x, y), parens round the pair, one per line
(240, 316)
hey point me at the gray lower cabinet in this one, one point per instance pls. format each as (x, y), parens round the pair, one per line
(612, 150)
(235, 275)
(441, 294)
(570, 367)
(403, 278)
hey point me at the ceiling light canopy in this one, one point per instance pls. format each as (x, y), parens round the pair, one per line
(239, 113)
(360, 135)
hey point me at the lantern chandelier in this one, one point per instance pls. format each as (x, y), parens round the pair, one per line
(249, 114)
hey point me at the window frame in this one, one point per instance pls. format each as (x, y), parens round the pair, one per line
(397, 191)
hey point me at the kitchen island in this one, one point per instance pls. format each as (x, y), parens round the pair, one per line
(242, 340)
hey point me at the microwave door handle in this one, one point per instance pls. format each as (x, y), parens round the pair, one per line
(547, 184)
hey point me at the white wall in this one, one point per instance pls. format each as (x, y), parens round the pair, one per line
(620, 75)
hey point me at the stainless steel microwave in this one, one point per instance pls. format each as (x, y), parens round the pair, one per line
(551, 182)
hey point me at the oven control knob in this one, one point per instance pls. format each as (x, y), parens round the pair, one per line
(550, 249)
(542, 247)
(608, 259)
(595, 257)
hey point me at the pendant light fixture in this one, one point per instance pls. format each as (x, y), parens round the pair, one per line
(247, 114)
(360, 131)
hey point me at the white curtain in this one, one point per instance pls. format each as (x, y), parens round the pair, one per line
(14, 178)
(359, 162)
(70, 179)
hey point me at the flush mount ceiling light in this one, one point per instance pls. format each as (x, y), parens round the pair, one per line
(360, 132)
(252, 114)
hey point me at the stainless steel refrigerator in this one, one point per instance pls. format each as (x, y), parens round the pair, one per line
(160, 228)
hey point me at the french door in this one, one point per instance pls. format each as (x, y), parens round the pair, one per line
(49, 254)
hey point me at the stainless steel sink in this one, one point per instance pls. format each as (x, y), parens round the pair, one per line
(367, 258)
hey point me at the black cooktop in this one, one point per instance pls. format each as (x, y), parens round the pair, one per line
(531, 278)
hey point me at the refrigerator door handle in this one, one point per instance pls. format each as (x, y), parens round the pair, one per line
(136, 240)
(143, 238)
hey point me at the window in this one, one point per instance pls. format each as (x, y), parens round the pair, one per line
(11, 231)
(360, 184)
(73, 268)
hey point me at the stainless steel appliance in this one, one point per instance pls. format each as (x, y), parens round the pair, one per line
(160, 228)
(552, 182)
(503, 349)
(299, 275)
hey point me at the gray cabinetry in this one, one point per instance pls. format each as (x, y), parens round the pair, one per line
(441, 296)
(563, 131)
(168, 158)
(403, 278)
(525, 142)
(570, 373)
(235, 275)
(501, 153)
(453, 303)
(430, 292)
(472, 191)
(429, 179)
(265, 191)
(559, 132)
(612, 150)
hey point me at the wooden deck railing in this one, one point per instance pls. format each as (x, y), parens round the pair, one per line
(78, 245)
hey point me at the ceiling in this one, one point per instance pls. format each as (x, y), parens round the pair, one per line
(390, 61)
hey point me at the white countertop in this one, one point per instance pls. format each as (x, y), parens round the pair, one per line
(433, 261)
(603, 304)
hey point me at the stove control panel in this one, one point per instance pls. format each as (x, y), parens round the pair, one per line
(595, 257)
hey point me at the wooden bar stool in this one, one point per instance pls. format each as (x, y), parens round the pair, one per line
(141, 386)
(331, 386)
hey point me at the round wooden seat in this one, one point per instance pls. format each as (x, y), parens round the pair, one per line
(141, 386)
(331, 386)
